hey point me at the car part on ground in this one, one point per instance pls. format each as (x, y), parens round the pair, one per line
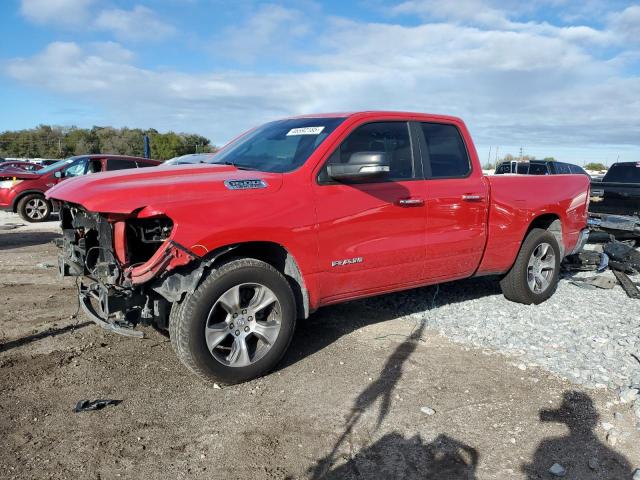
(90, 405)
(627, 284)
(621, 253)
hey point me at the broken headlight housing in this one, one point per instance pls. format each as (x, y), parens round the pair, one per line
(144, 236)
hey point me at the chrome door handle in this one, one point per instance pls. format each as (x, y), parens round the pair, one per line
(472, 197)
(410, 202)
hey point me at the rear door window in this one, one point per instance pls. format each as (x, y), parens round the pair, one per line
(445, 151)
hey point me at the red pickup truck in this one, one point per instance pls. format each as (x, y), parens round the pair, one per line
(305, 212)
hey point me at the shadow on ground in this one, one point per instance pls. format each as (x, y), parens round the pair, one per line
(10, 240)
(328, 324)
(580, 452)
(51, 332)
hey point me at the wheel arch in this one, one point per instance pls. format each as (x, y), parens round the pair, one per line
(279, 258)
(186, 279)
(552, 223)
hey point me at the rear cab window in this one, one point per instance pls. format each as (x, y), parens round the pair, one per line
(623, 173)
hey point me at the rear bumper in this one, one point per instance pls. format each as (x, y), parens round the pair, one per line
(582, 240)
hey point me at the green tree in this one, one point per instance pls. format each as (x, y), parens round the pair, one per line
(595, 166)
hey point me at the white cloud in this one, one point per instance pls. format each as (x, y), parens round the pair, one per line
(140, 23)
(267, 31)
(627, 23)
(60, 12)
(532, 84)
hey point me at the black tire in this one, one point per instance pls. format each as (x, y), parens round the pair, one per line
(34, 208)
(189, 317)
(515, 284)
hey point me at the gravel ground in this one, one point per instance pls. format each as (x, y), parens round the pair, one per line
(590, 337)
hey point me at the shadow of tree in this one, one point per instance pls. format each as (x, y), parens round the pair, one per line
(580, 447)
(25, 239)
(51, 332)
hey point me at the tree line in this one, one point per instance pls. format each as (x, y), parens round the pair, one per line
(46, 141)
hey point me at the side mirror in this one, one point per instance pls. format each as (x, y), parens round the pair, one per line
(58, 174)
(361, 165)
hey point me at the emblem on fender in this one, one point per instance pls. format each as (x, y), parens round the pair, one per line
(346, 261)
(245, 184)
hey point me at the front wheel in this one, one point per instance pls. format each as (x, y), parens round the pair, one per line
(535, 273)
(237, 324)
(34, 208)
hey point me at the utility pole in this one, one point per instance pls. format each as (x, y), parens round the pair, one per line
(520, 153)
(489, 156)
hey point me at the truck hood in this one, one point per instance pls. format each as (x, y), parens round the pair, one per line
(10, 173)
(127, 190)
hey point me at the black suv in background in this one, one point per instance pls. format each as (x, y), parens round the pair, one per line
(619, 191)
(539, 167)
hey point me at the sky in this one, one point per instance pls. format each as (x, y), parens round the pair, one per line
(553, 77)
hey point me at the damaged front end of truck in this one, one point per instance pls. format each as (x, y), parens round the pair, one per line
(130, 267)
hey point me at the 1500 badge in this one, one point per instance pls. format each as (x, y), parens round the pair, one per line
(346, 261)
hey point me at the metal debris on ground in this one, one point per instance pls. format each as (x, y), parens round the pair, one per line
(582, 262)
(601, 281)
(627, 285)
(624, 254)
(88, 405)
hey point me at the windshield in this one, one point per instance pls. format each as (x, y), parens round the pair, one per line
(280, 146)
(55, 166)
(623, 173)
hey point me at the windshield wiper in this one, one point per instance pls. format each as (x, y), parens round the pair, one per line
(238, 166)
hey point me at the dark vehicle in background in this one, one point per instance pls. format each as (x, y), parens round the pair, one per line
(47, 162)
(539, 167)
(23, 192)
(190, 159)
(19, 166)
(619, 191)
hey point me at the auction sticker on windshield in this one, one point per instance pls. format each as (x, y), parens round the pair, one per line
(305, 131)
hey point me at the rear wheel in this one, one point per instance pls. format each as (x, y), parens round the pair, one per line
(34, 208)
(534, 275)
(238, 323)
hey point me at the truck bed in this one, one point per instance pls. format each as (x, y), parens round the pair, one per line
(517, 201)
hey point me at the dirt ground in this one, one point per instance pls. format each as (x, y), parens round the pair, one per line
(345, 402)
